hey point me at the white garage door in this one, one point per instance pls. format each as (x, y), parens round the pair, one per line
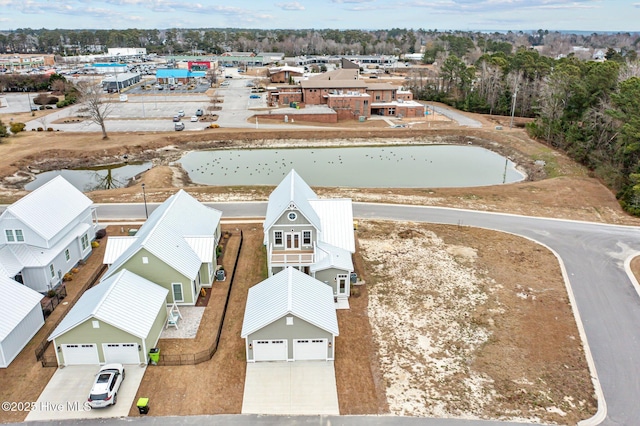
(124, 353)
(80, 354)
(310, 349)
(269, 350)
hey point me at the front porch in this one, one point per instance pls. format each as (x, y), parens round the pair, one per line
(284, 258)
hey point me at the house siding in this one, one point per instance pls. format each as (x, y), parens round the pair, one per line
(154, 334)
(85, 333)
(160, 273)
(300, 329)
(329, 277)
(30, 237)
(20, 336)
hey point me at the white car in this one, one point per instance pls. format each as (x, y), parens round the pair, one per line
(194, 118)
(106, 386)
(181, 113)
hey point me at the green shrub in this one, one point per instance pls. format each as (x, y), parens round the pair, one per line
(16, 127)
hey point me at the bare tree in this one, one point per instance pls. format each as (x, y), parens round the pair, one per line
(95, 104)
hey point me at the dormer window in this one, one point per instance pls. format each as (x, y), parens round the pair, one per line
(292, 216)
(14, 235)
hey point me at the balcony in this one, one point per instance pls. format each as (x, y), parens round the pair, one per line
(291, 257)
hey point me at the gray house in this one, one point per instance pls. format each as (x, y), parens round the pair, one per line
(310, 234)
(118, 320)
(45, 234)
(290, 316)
(175, 248)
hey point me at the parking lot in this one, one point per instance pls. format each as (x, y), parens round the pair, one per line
(69, 388)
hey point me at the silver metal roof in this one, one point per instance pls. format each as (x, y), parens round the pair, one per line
(115, 247)
(17, 303)
(290, 292)
(126, 301)
(163, 234)
(51, 207)
(9, 263)
(336, 217)
(328, 256)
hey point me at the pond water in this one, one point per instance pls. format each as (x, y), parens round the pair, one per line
(423, 166)
(94, 178)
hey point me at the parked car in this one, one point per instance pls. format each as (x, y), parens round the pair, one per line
(199, 112)
(106, 385)
(194, 118)
(254, 97)
(181, 113)
(176, 118)
(178, 127)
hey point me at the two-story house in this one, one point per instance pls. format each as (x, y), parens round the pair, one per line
(175, 248)
(310, 234)
(45, 234)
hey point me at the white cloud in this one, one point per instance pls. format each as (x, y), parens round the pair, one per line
(290, 6)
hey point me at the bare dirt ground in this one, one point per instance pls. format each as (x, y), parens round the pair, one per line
(490, 378)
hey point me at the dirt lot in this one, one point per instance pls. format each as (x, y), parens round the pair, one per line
(497, 378)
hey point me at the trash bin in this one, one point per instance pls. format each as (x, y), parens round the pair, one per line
(154, 355)
(354, 278)
(143, 405)
(220, 275)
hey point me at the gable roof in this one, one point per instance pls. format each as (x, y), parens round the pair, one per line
(163, 234)
(126, 301)
(292, 190)
(10, 265)
(290, 292)
(18, 302)
(328, 256)
(51, 207)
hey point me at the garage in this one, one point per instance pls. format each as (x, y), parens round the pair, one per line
(80, 354)
(117, 320)
(124, 353)
(310, 349)
(290, 316)
(270, 350)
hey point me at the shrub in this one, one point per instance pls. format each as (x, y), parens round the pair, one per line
(49, 129)
(16, 127)
(51, 293)
(67, 277)
(95, 244)
(75, 270)
(44, 99)
(40, 129)
(101, 233)
(218, 251)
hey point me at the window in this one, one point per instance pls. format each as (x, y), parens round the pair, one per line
(95, 324)
(67, 256)
(289, 320)
(277, 238)
(19, 235)
(52, 270)
(292, 216)
(306, 238)
(145, 260)
(177, 292)
(10, 237)
(85, 242)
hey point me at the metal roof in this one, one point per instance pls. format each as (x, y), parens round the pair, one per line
(291, 191)
(328, 256)
(333, 84)
(163, 234)
(115, 247)
(126, 301)
(51, 207)
(290, 292)
(204, 247)
(18, 301)
(336, 216)
(9, 263)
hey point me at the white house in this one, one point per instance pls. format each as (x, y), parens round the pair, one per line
(45, 234)
(310, 234)
(21, 318)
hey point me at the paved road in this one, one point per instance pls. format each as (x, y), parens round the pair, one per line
(462, 119)
(593, 256)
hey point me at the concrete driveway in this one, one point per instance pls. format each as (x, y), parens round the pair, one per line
(65, 395)
(301, 387)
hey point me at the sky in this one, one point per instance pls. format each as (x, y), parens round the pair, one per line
(466, 15)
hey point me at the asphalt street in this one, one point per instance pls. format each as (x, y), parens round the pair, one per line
(607, 303)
